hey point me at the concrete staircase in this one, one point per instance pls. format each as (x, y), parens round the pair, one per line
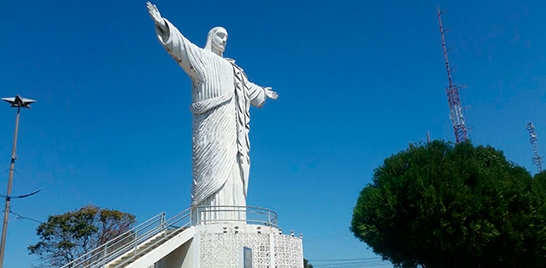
(141, 246)
(155, 243)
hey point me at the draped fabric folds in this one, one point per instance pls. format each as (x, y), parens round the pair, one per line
(221, 98)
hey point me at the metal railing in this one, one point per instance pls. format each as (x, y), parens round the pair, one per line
(155, 231)
(157, 236)
(248, 215)
(130, 240)
(96, 254)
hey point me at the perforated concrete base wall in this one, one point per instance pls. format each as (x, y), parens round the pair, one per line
(269, 248)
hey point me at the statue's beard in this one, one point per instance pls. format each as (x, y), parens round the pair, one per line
(218, 50)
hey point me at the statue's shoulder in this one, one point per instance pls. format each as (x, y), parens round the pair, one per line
(209, 56)
(232, 62)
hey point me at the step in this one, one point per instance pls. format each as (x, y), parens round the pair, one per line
(146, 248)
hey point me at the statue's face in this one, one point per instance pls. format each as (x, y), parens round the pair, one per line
(219, 39)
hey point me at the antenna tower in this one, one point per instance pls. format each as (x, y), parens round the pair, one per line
(537, 160)
(455, 107)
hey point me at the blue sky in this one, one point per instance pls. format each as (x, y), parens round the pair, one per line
(357, 80)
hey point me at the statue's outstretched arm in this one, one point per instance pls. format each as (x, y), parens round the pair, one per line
(177, 45)
(258, 94)
(156, 17)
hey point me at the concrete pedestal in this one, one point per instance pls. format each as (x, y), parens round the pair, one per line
(221, 245)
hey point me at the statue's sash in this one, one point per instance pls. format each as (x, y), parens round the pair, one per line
(208, 104)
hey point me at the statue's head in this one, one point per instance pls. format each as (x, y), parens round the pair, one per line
(216, 40)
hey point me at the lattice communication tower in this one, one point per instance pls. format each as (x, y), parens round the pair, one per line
(453, 98)
(537, 160)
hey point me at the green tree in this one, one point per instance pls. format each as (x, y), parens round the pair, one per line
(445, 205)
(67, 236)
(306, 263)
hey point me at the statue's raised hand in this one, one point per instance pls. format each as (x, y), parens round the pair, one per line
(156, 16)
(270, 93)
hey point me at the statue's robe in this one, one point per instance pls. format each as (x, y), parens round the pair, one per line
(221, 98)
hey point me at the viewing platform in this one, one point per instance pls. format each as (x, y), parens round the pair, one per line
(203, 237)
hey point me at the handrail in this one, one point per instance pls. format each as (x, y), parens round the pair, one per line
(95, 254)
(156, 226)
(169, 223)
(135, 243)
(245, 214)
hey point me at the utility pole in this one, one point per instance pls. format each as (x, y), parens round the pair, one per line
(16, 102)
(452, 91)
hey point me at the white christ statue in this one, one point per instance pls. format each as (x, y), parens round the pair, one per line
(221, 99)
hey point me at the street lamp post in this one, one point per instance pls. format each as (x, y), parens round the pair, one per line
(16, 102)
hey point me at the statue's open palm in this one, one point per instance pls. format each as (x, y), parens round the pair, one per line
(156, 16)
(270, 93)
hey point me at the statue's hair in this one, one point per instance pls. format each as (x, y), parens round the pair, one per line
(208, 45)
